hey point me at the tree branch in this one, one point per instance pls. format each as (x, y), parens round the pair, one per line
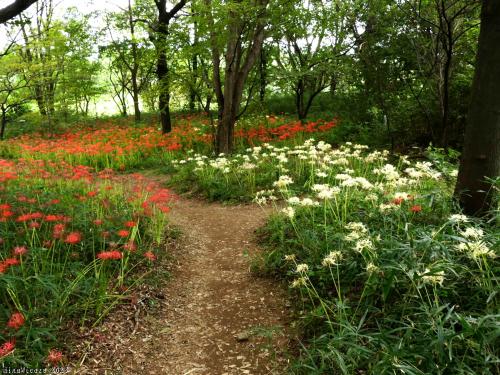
(14, 9)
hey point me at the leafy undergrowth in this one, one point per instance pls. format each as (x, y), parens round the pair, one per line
(387, 276)
(72, 244)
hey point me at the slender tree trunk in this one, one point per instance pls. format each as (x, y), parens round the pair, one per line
(300, 93)
(135, 96)
(194, 64)
(445, 110)
(135, 66)
(39, 100)
(164, 97)
(4, 123)
(481, 153)
(262, 75)
(162, 69)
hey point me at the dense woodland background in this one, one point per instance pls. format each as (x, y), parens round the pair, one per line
(398, 73)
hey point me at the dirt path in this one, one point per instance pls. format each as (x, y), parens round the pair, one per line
(217, 318)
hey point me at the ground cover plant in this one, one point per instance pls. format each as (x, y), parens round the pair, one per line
(388, 275)
(123, 146)
(72, 243)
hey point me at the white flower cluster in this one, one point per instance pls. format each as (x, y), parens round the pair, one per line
(283, 182)
(332, 259)
(264, 196)
(305, 202)
(360, 235)
(432, 277)
(474, 246)
(325, 191)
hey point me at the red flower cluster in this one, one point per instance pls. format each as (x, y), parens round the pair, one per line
(73, 238)
(20, 250)
(4, 265)
(416, 208)
(105, 255)
(16, 320)
(149, 255)
(54, 357)
(7, 348)
(286, 131)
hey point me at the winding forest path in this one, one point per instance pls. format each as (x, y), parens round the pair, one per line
(216, 317)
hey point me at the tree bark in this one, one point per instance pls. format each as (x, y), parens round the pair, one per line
(262, 75)
(162, 69)
(135, 66)
(481, 153)
(4, 122)
(237, 67)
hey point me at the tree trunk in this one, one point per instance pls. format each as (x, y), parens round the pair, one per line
(162, 70)
(299, 100)
(135, 90)
(4, 122)
(194, 63)
(237, 68)
(192, 93)
(262, 75)
(135, 66)
(481, 153)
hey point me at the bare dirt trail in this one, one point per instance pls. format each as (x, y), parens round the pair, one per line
(217, 318)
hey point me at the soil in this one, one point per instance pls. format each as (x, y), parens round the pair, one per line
(214, 316)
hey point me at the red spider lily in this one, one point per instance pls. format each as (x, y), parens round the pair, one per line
(73, 238)
(149, 255)
(4, 266)
(51, 218)
(416, 208)
(20, 250)
(28, 217)
(397, 201)
(34, 225)
(58, 230)
(7, 348)
(7, 213)
(16, 321)
(110, 255)
(11, 262)
(54, 357)
(98, 222)
(130, 224)
(123, 233)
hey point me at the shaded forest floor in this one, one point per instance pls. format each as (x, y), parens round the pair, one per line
(213, 316)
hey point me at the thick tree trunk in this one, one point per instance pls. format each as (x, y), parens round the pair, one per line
(481, 153)
(237, 67)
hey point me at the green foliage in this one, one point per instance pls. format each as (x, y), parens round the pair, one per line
(70, 249)
(385, 277)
